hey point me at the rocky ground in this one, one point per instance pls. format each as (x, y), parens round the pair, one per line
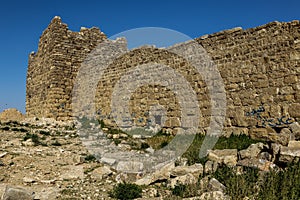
(42, 159)
(54, 165)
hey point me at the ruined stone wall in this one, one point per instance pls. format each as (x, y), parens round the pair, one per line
(52, 70)
(259, 67)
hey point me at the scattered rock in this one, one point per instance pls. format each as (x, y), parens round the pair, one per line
(184, 179)
(160, 174)
(288, 154)
(130, 166)
(73, 172)
(28, 180)
(252, 151)
(210, 166)
(225, 156)
(28, 143)
(49, 193)
(3, 154)
(275, 148)
(265, 156)
(17, 193)
(287, 132)
(196, 170)
(294, 144)
(269, 134)
(109, 161)
(101, 172)
(295, 128)
(263, 165)
(215, 185)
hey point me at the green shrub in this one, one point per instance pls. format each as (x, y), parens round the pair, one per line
(15, 129)
(35, 138)
(192, 153)
(144, 145)
(163, 144)
(238, 186)
(126, 191)
(238, 142)
(90, 158)
(233, 142)
(44, 132)
(284, 185)
(179, 190)
(101, 122)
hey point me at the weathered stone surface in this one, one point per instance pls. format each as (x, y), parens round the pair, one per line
(101, 172)
(294, 144)
(73, 172)
(11, 114)
(196, 170)
(288, 154)
(269, 135)
(295, 128)
(225, 156)
(17, 193)
(252, 151)
(160, 174)
(109, 161)
(184, 179)
(215, 185)
(263, 165)
(294, 110)
(210, 166)
(131, 167)
(254, 73)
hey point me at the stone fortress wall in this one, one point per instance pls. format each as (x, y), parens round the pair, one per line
(52, 70)
(259, 67)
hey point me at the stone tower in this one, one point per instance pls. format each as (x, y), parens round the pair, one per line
(51, 71)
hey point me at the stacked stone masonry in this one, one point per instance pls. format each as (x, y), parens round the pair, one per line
(260, 68)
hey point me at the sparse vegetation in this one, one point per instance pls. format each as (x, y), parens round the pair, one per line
(90, 158)
(179, 190)
(56, 143)
(44, 132)
(34, 138)
(283, 185)
(238, 142)
(238, 186)
(5, 128)
(126, 191)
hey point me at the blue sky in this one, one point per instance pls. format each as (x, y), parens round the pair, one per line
(22, 22)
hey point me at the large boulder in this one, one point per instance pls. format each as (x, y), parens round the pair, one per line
(11, 114)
